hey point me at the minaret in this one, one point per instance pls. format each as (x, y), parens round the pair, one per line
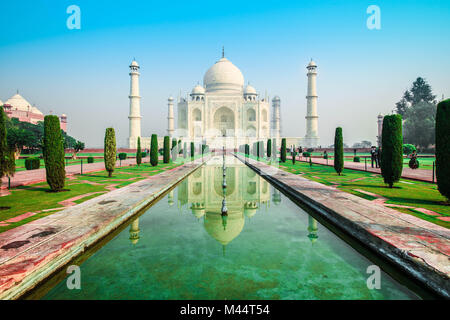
(312, 137)
(276, 117)
(135, 107)
(380, 129)
(170, 121)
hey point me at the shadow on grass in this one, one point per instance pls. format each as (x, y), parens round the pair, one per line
(417, 201)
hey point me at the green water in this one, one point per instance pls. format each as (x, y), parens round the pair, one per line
(266, 248)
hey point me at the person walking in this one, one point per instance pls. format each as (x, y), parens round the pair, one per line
(373, 156)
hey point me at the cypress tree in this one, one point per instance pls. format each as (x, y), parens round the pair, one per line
(269, 148)
(110, 150)
(154, 150)
(54, 153)
(293, 155)
(166, 157)
(247, 150)
(391, 149)
(283, 150)
(192, 150)
(443, 148)
(185, 150)
(3, 144)
(139, 152)
(338, 151)
(174, 149)
(261, 149)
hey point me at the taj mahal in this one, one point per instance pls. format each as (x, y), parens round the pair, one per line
(224, 111)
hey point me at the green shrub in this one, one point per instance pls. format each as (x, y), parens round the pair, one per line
(338, 151)
(247, 150)
(306, 154)
(192, 150)
(143, 154)
(391, 149)
(139, 152)
(443, 147)
(174, 149)
(122, 156)
(54, 153)
(413, 163)
(32, 163)
(154, 150)
(356, 159)
(269, 148)
(166, 154)
(408, 148)
(90, 159)
(283, 150)
(110, 151)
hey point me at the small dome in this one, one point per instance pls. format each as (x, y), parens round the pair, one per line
(170, 98)
(19, 103)
(249, 90)
(223, 76)
(63, 115)
(276, 98)
(1, 103)
(198, 89)
(312, 63)
(134, 64)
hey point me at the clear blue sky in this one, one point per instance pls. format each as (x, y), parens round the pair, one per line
(84, 73)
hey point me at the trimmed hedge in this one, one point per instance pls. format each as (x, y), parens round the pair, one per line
(166, 152)
(338, 151)
(443, 147)
(356, 159)
(154, 150)
(408, 148)
(139, 152)
(54, 153)
(283, 150)
(110, 151)
(32, 163)
(122, 156)
(392, 149)
(192, 150)
(269, 148)
(306, 154)
(90, 159)
(414, 164)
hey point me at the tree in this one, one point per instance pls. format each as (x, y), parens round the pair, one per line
(174, 149)
(185, 150)
(192, 150)
(154, 150)
(391, 149)
(110, 150)
(269, 148)
(419, 126)
(283, 150)
(338, 151)
(139, 152)
(408, 149)
(77, 147)
(293, 155)
(443, 148)
(4, 148)
(247, 150)
(54, 153)
(420, 91)
(166, 155)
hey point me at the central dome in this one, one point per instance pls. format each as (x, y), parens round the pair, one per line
(224, 76)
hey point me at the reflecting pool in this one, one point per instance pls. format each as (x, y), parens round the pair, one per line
(265, 247)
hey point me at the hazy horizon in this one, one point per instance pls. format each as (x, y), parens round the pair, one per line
(84, 73)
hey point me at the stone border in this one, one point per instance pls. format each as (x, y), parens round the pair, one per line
(421, 260)
(38, 249)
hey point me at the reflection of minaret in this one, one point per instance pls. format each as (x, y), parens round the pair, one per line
(134, 231)
(276, 196)
(170, 198)
(312, 229)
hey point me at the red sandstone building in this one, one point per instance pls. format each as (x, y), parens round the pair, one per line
(18, 107)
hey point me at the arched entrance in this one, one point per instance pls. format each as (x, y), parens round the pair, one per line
(224, 122)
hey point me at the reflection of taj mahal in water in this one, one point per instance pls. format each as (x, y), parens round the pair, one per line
(246, 193)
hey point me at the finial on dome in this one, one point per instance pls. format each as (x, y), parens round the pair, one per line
(223, 51)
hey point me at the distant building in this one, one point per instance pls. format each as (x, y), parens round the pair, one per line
(18, 107)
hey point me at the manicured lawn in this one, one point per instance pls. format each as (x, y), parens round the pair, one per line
(36, 198)
(20, 163)
(415, 194)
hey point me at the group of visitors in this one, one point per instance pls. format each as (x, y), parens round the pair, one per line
(375, 155)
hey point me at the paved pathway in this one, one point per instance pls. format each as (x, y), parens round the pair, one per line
(408, 173)
(419, 247)
(26, 177)
(32, 252)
